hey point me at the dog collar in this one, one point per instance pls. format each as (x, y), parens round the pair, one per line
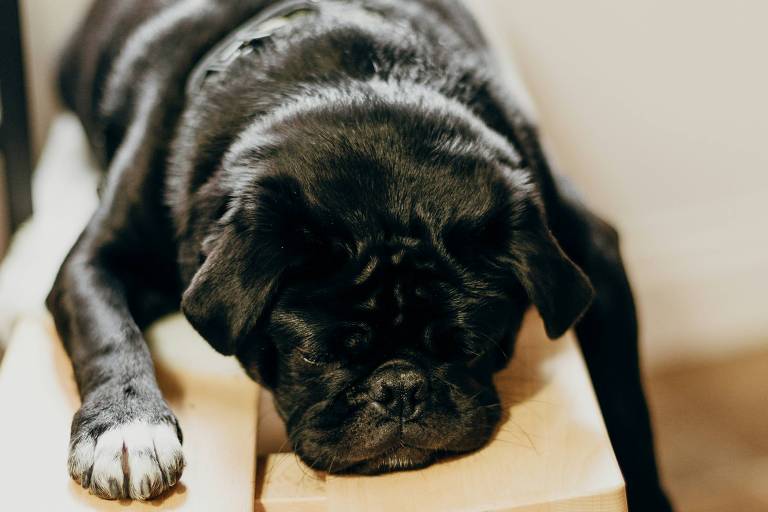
(247, 38)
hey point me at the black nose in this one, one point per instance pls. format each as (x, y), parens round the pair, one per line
(398, 390)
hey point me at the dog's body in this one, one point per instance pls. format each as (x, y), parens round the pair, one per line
(354, 207)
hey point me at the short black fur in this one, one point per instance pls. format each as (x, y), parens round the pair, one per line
(357, 211)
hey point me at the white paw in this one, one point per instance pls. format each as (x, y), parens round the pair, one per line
(138, 460)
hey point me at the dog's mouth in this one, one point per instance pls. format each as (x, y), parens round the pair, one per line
(397, 458)
(393, 452)
(382, 450)
(367, 444)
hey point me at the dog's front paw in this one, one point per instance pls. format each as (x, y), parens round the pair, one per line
(137, 460)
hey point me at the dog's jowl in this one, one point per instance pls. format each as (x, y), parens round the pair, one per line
(343, 196)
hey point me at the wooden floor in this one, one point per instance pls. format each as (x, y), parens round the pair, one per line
(712, 433)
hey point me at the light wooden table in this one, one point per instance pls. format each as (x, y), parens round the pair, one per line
(551, 454)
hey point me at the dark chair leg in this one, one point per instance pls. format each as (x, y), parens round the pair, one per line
(14, 123)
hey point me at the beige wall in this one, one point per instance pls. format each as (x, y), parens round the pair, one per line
(658, 109)
(45, 26)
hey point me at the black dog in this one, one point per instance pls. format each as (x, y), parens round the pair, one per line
(342, 195)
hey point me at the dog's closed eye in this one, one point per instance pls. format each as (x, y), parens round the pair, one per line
(313, 359)
(477, 360)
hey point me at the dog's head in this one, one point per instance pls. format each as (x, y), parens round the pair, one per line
(372, 270)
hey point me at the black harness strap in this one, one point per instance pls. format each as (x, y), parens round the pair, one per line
(246, 38)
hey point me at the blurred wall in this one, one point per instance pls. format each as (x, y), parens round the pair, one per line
(45, 27)
(658, 110)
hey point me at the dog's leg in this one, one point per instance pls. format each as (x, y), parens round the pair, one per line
(608, 331)
(125, 441)
(609, 340)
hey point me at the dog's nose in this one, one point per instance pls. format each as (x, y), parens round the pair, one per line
(398, 390)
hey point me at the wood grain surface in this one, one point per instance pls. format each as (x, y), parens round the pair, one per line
(551, 452)
(211, 396)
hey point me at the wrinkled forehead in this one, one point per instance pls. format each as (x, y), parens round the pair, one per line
(371, 126)
(392, 271)
(394, 293)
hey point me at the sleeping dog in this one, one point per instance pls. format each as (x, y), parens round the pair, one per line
(344, 196)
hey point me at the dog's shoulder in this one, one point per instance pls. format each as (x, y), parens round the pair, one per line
(121, 45)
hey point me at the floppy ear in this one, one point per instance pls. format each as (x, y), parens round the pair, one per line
(264, 233)
(557, 287)
(229, 292)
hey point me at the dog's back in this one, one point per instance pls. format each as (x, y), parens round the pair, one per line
(119, 43)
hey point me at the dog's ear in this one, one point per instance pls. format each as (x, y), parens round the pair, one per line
(556, 285)
(229, 292)
(267, 229)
